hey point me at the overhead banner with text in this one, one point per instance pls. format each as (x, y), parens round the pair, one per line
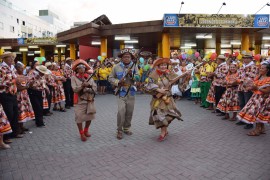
(216, 20)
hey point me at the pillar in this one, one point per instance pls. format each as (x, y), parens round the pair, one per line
(165, 45)
(24, 61)
(42, 52)
(122, 45)
(159, 49)
(218, 45)
(1, 51)
(103, 47)
(59, 54)
(72, 51)
(257, 49)
(245, 42)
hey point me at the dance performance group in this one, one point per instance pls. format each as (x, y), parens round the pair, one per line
(225, 85)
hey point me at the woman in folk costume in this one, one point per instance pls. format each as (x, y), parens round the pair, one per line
(163, 107)
(5, 128)
(26, 112)
(195, 86)
(211, 93)
(256, 111)
(229, 101)
(83, 84)
(58, 93)
(37, 92)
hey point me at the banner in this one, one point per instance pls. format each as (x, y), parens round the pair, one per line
(216, 20)
(41, 41)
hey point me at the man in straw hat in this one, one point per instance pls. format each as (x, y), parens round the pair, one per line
(219, 79)
(37, 92)
(123, 77)
(67, 84)
(247, 72)
(8, 90)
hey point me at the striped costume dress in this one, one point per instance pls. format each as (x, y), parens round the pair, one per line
(229, 101)
(5, 127)
(256, 108)
(26, 112)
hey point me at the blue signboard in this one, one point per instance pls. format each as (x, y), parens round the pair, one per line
(171, 20)
(20, 41)
(261, 21)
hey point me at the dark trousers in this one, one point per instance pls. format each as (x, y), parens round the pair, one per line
(10, 106)
(37, 103)
(49, 98)
(219, 90)
(244, 98)
(68, 92)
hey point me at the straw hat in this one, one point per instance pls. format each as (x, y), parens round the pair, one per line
(80, 61)
(124, 51)
(222, 57)
(8, 54)
(92, 60)
(43, 69)
(68, 59)
(247, 55)
(47, 64)
(161, 61)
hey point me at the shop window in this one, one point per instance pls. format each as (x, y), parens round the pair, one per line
(12, 29)
(18, 21)
(23, 23)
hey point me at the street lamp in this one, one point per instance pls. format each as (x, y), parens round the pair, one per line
(223, 4)
(181, 6)
(267, 4)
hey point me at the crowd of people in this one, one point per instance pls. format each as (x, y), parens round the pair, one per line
(225, 85)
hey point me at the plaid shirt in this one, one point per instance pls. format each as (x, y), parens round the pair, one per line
(39, 81)
(68, 71)
(8, 79)
(221, 73)
(246, 72)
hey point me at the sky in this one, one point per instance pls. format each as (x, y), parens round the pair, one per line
(125, 11)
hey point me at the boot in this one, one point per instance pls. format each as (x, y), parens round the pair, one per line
(86, 133)
(83, 137)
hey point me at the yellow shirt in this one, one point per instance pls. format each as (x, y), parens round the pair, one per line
(103, 73)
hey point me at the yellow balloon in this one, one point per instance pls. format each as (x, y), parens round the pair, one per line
(239, 57)
(190, 52)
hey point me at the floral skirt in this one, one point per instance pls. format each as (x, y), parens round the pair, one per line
(264, 114)
(26, 112)
(252, 109)
(5, 127)
(211, 95)
(195, 89)
(229, 101)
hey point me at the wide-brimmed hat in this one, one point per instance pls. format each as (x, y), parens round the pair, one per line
(92, 60)
(68, 59)
(47, 64)
(161, 61)
(222, 57)
(80, 61)
(205, 59)
(248, 55)
(124, 51)
(8, 54)
(43, 69)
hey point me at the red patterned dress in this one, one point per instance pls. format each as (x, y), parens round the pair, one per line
(26, 112)
(264, 114)
(211, 94)
(58, 93)
(5, 127)
(229, 101)
(255, 106)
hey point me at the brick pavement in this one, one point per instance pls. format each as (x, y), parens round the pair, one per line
(201, 147)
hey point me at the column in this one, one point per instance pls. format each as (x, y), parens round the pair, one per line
(103, 47)
(165, 45)
(24, 58)
(122, 45)
(59, 54)
(72, 51)
(159, 49)
(245, 42)
(218, 45)
(1, 51)
(42, 52)
(257, 49)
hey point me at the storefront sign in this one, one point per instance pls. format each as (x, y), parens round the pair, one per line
(40, 41)
(216, 20)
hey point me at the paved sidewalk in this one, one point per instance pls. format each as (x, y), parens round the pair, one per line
(201, 147)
